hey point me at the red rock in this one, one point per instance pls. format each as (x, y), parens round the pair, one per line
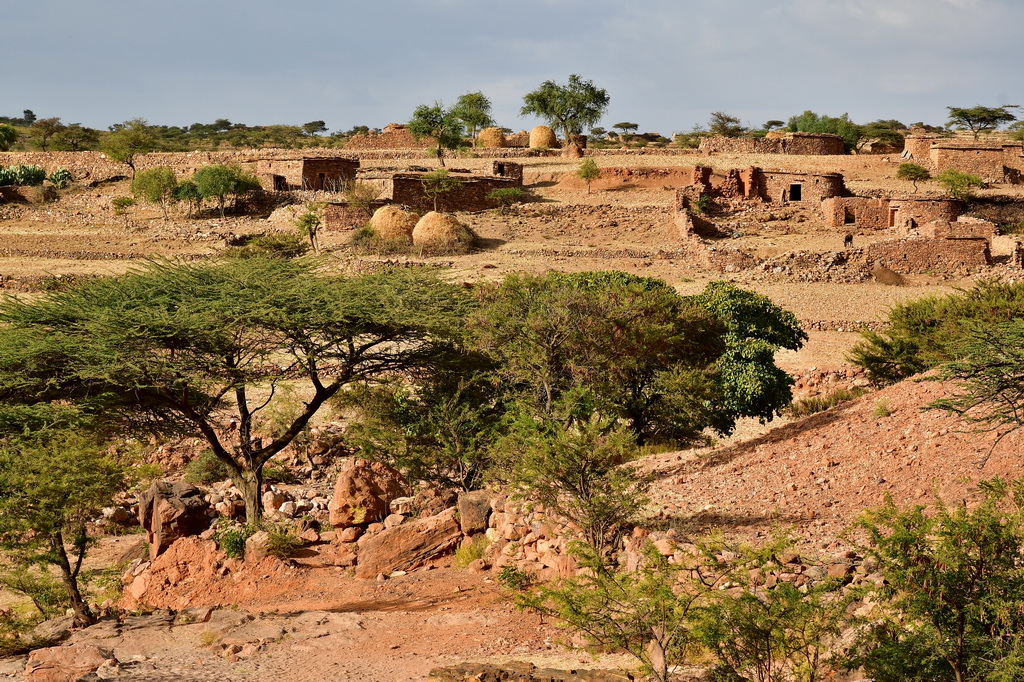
(409, 545)
(65, 663)
(169, 511)
(363, 493)
(474, 511)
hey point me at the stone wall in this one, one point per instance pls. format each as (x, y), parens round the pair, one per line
(919, 256)
(783, 186)
(962, 228)
(788, 143)
(341, 216)
(986, 161)
(329, 174)
(394, 136)
(470, 195)
(856, 212)
(910, 212)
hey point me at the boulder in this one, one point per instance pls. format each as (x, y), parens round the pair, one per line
(409, 545)
(168, 511)
(363, 493)
(474, 511)
(65, 663)
(257, 546)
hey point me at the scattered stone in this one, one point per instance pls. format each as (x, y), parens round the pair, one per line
(363, 493)
(409, 545)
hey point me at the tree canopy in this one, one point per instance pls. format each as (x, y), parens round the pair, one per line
(127, 141)
(810, 122)
(572, 107)
(979, 119)
(443, 125)
(194, 348)
(217, 181)
(474, 110)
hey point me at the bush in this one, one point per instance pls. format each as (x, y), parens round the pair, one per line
(231, 537)
(959, 185)
(813, 405)
(22, 176)
(467, 554)
(270, 245)
(507, 197)
(515, 579)
(60, 178)
(206, 469)
(282, 541)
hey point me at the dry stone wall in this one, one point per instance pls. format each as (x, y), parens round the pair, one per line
(919, 256)
(789, 143)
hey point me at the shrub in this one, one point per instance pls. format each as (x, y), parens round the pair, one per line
(881, 409)
(60, 178)
(270, 245)
(121, 204)
(468, 553)
(515, 579)
(231, 537)
(282, 541)
(206, 469)
(507, 197)
(958, 184)
(360, 195)
(815, 404)
(22, 176)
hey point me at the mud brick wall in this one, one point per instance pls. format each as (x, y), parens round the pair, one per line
(856, 212)
(341, 216)
(392, 137)
(330, 174)
(506, 169)
(777, 186)
(789, 143)
(969, 228)
(471, 195)
(986, 162)
(913, 212)
(918, 256)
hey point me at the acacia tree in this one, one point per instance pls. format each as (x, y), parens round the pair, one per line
(474, 110)
(979, 119)
(438, 183)
(51, 485)
(721, 123)
(913, 172)
(194, 348)
(43, 129)
(75, 138)
(156, 186)
(442, 125)
(127, 141)
(571, 107)
(217, 181)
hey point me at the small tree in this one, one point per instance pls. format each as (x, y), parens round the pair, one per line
(980, 119)
(156, 186)
(438, 183)
(588, 171)
(121, 206)
(128, 141)
(314, 127)
(218, 181)
(958, 184)
(50, 487)
(309, 223)
(43, 129)
(571, 107)
(913, 172)
(721, 123)
(188, 192)
(440, 124)
(8, 136)
(474, 110)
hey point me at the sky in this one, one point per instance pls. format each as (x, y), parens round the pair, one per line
(666, 64)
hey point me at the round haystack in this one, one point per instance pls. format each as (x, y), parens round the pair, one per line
(491, 137)
(391, 223)
(442, 233)
(543, 137)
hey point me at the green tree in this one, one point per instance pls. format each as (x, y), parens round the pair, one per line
(645, 353)
(721, 123)
(958, 184)
(438, 183)
(752, 385)
(571, 107)
(156, 186)
(128, 141)
(625, 128)
(218, 181)
(75, 138)
(189, 348)
(314, 128)
(980, 119)
(888, 132)
(913, 172)
(188, 191)
(309, 223)
(51, 486)
(442, 125)
(474, 110)
(952, 592)
(588, 171)
(8, 136)
(810, 122)
(43, 129)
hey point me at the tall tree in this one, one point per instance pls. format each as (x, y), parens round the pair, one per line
(440, 124)
(43, 129)
(571, 107)
(980, 119)
(75, 138)
(191, 348)
(721, 123)
(156, 186)
(474, 110)
(128, 140)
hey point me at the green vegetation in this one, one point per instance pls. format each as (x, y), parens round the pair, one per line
(128, 141)
(22, 176)
(60, 178)
(8, 136)
(507, 197)
(468, 553)
(913, 172)
(721, 123)
(473, 109)
(180, 348)
(959, 185)
(231, 537)
(443, 126)
(309, 223)
(805, 407)
(269, 245)
(570, 107)
(928, 332)
(810, 122)
(588, 171)
(156, 186)
(439, 182)
(206, 469)
(980, 119)
(218, 181)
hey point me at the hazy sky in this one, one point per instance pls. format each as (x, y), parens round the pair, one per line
(665, 63)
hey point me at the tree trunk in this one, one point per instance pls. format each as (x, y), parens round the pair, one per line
(251, 484)
(83, 614)
(220, 201)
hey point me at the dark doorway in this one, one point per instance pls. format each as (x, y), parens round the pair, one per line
(849, 218)
(280, 185)
(796, 192)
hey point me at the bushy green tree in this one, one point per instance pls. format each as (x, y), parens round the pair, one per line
(188, 192)
(571, 107)
(127, 141)
(474, 110)
(958, 184)
(588, 171)
(8, 136)
(156, 186)
(52, 483)
(725, 125)
(439, 182)
(950, 603)
(442, 125)
(187, 348)
(913, 172)
(218, 181)
(75, 138)
(810, 122)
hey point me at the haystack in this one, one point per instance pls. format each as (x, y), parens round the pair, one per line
(543, 137)
(391, 223)
(442, 233)
(491, 137)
